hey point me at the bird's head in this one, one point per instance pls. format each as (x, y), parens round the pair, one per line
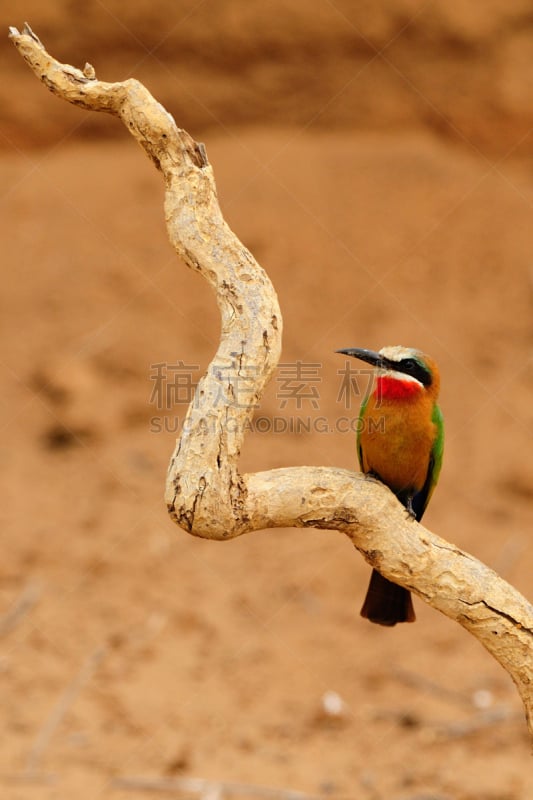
(401, 371)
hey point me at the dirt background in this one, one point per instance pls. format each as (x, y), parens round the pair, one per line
(377, 159)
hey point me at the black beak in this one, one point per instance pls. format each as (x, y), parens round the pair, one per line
(369, 356)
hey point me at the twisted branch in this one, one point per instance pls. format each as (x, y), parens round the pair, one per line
(205, 492)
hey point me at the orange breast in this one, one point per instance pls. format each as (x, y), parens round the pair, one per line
(396, 438)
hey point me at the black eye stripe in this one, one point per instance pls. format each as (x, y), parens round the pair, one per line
(409, 366)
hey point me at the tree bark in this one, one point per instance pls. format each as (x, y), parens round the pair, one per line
(206, 494)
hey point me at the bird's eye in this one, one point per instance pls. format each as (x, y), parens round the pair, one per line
(410, 363)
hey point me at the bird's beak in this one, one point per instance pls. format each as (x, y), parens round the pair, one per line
(370, 356)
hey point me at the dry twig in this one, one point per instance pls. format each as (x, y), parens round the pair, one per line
(207, 789)
(477, 722)
(20, 608)
(413, 679)
(448, 729)
(58, 712)
(206, 494)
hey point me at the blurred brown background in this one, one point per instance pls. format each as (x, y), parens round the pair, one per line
(377, 159)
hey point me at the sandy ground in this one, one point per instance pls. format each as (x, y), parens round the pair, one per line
(163, 655)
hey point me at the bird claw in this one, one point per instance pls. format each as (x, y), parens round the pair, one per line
(411, 514)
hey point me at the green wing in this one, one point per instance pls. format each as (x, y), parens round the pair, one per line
(359, 429)
(421, 499)
(438, 445)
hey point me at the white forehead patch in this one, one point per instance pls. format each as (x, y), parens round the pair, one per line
(396, 353)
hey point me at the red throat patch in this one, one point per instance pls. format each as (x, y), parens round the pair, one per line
(388, 388)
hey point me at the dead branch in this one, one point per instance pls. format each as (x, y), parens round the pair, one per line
(454, 729)
(476, 723)
(20, 608)
(64, 703)
(207, 789)
(206, 494)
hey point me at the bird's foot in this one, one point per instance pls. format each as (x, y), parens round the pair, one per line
(411, 514)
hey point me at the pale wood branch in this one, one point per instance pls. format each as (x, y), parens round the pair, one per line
(206, 494)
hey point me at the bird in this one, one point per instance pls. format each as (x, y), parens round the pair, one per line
(400, 442)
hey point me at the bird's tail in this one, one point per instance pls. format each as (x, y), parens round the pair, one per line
(386, 603)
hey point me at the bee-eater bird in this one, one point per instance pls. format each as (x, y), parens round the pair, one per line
(400, 441)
